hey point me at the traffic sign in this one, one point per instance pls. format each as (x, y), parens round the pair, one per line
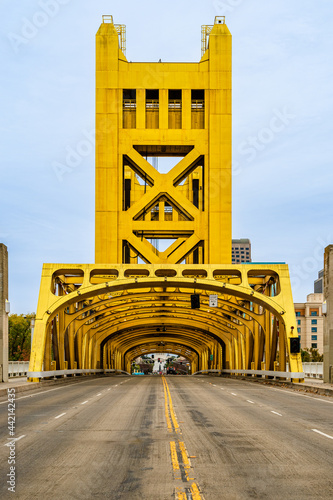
(213, 301)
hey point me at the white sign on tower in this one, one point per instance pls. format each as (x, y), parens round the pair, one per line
(213, 301)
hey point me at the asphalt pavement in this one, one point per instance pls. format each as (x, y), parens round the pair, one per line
(174, 437)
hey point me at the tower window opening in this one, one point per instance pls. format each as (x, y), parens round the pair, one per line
(129, 108)
(175, 108)
(198, 108)
(152, 108)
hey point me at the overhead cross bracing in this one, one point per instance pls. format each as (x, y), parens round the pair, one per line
(136, 298)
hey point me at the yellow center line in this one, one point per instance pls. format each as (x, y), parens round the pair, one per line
(195, 492)
(166, 408)
(172, 412)
(174, 458)
(185, 460)
(181, 495)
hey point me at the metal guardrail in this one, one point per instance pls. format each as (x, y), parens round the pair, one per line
(269, 373)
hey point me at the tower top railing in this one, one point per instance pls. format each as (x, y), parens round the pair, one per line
(107, 19)
(121, 30)
(206, 30)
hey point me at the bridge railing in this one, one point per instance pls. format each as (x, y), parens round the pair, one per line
(313, 370)
(18, 368)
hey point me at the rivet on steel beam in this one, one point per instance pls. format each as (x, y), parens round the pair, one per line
(107, 284)
(136, 280)
(48, 311)
(165, 278)
(282, 312)
(78, 292)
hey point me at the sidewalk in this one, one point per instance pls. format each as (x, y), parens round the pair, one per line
(317, 386)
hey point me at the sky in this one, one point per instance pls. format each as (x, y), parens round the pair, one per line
(282, 125)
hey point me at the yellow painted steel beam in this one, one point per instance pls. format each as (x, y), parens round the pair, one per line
(131, 294)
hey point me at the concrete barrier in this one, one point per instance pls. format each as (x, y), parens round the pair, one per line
(18, 368)
(313, 370)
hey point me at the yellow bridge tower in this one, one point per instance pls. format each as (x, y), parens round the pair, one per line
(163, 278)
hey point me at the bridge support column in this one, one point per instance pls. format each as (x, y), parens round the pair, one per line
(3, 313)
(328, 319)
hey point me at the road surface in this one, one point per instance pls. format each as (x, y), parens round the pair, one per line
(173, 437)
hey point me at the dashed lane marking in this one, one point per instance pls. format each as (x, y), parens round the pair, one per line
(14, 439)
(84, 402)
(276, 413)
(249, 401)
(323, 433)
(61, 415)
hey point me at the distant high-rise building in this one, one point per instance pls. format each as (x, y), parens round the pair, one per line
(241, 251)
(319, 282)
(309, 319)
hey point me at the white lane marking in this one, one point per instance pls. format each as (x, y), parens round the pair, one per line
(276, 413)
(116, 385)
(234, 394)
(249, 401)
(61, 415)
(84, 402)
(222, 389)
(99, 394)
(303, 396)
(109, 389)
(14, 439)
(214, 385)
(322, 433)
(49, 390)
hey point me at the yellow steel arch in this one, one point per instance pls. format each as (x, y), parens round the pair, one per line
(250, 320)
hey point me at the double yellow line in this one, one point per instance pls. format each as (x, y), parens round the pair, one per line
(169, 411)
(181, 463)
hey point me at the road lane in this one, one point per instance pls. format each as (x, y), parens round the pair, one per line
(184, 438)
(245, 451)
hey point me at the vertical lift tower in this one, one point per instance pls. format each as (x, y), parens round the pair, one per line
(163, 236)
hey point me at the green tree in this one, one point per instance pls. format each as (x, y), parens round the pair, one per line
(19, 337)
(311, 355)
(305, 356)
(315, 356)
